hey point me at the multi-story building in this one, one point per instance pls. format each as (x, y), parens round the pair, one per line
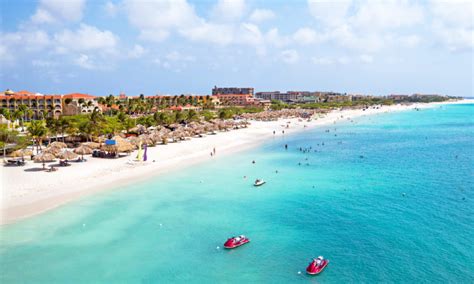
(232, 91)
(47, 105)
(234, 96)
(78, 103)
(288, 97)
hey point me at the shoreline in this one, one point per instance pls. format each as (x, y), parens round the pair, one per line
(38, 192)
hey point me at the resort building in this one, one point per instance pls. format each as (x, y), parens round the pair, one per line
(42, 106)
(303, 96)
(284, 97)
(78, 103)
(232, 91)
(234, 96)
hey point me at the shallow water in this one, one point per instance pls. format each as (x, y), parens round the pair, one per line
(389, 199)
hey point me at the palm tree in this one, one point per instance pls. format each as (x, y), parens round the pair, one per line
(63, 124)
(52, 125)
(6, 137)
(18, 115)
(37, 131)
(86, 129)
(72, 129)
(6, 113)
(29, 114)
(192, 115)
(128, 124)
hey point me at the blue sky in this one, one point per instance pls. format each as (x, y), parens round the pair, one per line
(184, 46)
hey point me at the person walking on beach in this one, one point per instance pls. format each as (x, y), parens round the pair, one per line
(214, 150)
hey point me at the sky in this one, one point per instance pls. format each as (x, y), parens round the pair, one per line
(150, 47)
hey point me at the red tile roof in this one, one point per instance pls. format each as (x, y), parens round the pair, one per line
(24, 93)
(79, 96)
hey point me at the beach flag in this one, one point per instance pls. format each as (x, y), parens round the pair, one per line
(144, 155)
(140, 152)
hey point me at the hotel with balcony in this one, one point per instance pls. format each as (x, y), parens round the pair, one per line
(44, 106)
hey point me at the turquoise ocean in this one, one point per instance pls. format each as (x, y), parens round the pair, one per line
(387, 198)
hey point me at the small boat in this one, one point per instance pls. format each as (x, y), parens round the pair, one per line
(259, 182)
(317, 266)
(236, 242)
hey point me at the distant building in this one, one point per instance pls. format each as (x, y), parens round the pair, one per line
(290, 96)
(302, 96)
(234, 96)
(232, 91)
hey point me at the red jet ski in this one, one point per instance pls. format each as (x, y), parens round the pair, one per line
(236, 242)
(317, 266)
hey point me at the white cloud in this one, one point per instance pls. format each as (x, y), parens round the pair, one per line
(177, 56)
(173, 14)
(289, 56)
(111, 9)
(5, 54)
(454, 13)
(250, 34)
(51, 11)
(43, 63)
(174, 61)
(409, 40)
(85, 62)
(16, 44)
(322, 60)
(366, 58)
(330, 13)
(228, 10)
(42, 17)
(137, 51)
(273, 37)
(373, 16)
(343, 60)
(209, 32)
(305, 36)
(453, 24)
(86, 38)
(261, 15)
(92, 62)
(31, 40)
(367, 25)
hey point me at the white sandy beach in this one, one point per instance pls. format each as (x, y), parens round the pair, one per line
(26, 192)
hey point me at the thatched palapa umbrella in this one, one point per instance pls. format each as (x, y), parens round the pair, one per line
(44, 158)
(83, 150)
(21, 153)
(134, 140)
(147, 139)
(58, 144)
(67, 155)
(121, 145)
(92, 145)
(52, 150)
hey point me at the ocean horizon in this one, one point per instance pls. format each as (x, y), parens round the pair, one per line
(386, 198)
